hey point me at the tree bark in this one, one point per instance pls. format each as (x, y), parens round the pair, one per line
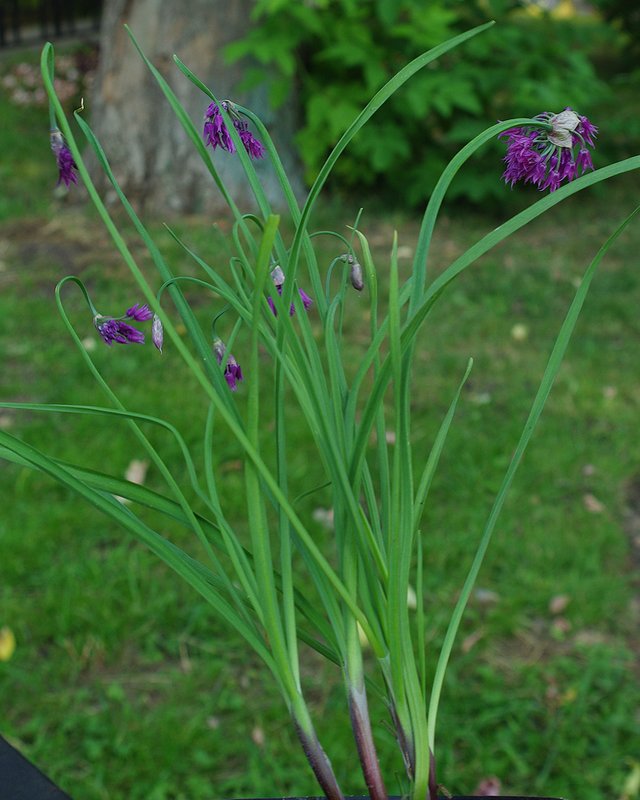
(150, 154)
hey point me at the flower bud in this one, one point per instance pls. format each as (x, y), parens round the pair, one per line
(157, 332)
(232, 370)
(355, 275)
(277, 275)
(218, 349)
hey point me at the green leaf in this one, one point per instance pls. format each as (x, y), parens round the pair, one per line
(548, 378)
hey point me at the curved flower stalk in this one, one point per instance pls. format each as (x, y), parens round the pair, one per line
(376, 499)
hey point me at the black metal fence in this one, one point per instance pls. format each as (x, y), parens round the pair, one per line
(27, 22)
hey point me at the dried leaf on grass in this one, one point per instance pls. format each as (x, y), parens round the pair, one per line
(558, 603)
(136, 472)
(7, 643)
(592, 504)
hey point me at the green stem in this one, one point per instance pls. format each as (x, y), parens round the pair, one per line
(361, 725)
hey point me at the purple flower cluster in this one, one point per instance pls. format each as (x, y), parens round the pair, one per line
(115, 329)
(118, 330)
(233, 370)
(217, 134)
(139, 313)
(549, 157)
(307, 302)
(66, 165)
(277, 276)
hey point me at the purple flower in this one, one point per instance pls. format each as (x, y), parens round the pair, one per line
(307, 302)
(251, 144)
(588, 131)
(115, 330)
(233, 373)
(547, 158)
(277, 276)
(138, 312)
(233, 370)
(66, 164)
(216, 133)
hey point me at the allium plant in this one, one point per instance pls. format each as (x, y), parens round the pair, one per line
(378, 492)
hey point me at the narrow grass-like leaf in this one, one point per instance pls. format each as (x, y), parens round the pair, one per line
(434, 456)
(188, 569)
(71, 408)
(201, 343)
(376, 102)
(241, 153)
(418, 272)
(397, 596)
(216, 397)
(551, 370)
(185, 120)
(435, 290)
(257, 518)
(118, 240)
(292, 203)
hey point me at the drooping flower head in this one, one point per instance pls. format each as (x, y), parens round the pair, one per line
(549, 157)
(115, 329)
(66, 165)
(277, 276)
(233, 370)
(217, 134)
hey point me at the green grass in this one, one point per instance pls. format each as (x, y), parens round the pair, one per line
(125, 685)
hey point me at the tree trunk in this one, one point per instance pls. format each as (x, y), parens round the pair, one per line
(150, 154)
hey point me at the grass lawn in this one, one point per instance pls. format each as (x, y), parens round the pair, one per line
(124, 685)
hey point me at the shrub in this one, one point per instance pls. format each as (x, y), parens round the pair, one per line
(334, 54)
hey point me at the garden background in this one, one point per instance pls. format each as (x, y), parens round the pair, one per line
(121, 683)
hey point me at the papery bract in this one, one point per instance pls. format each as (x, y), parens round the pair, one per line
(157, 332)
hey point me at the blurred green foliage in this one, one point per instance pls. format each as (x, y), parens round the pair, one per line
(625, 17)
(330, 56)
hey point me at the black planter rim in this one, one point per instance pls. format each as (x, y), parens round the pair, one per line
(398, 797)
